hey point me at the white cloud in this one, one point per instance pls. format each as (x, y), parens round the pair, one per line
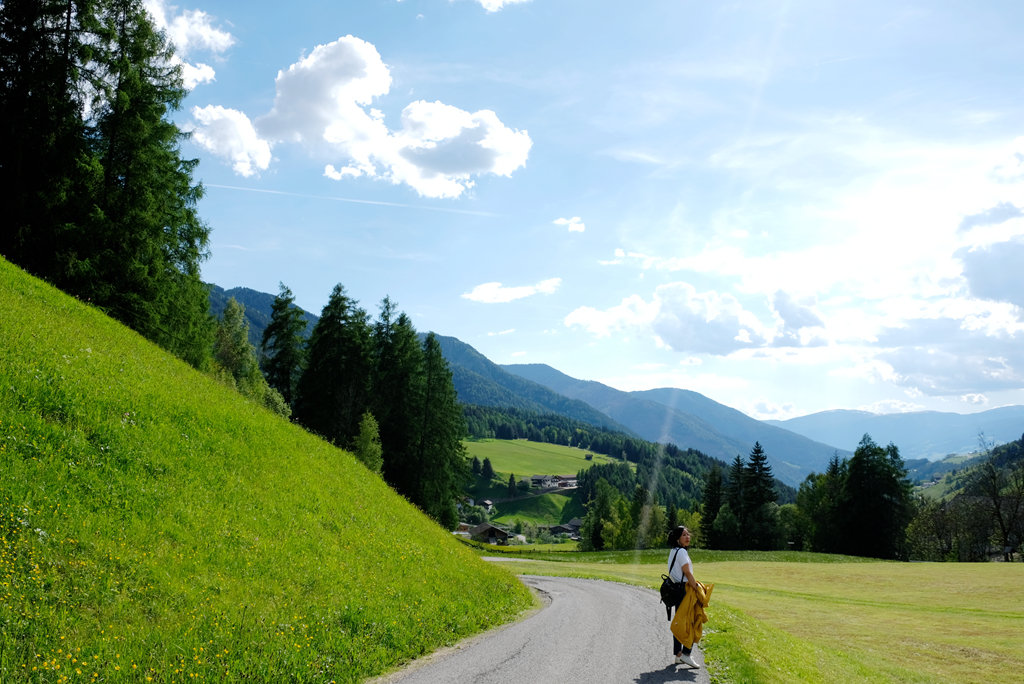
(228, 133)
(322, 102)
(191, 31)
(680, 318)
(891, 406)
(575, 224)
(503, 332)
(495, 293)
(975, 399)
(496, 5)
(764, 409)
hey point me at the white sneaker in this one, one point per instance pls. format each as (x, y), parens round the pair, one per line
(684, 659)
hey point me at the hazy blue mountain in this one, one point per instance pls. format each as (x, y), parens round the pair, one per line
(479, 380)
(924, 434)
(258, 308)
(689, 419)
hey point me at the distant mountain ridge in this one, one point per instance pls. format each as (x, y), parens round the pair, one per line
(689, 419)
(923, 434)
(478, 380)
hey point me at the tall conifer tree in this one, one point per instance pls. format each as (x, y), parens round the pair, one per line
(333, 392)
(283, 346)
(397, 380)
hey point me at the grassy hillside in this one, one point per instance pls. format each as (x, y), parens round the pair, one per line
(546, 509)
(156, 526)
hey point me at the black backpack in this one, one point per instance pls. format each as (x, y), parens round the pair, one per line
(672, 592)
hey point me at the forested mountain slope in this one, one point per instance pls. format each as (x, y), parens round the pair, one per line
(481, 381)
(156, 523)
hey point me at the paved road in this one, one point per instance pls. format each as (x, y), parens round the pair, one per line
(591, 632)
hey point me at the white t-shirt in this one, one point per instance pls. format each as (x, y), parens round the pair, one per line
(682, 558)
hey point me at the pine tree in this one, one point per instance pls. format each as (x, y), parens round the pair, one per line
(512, 490)
(283, 346)
(397, 381)
(487, 471)
(760, 523)
(734, 488)
(441, 456)
(712, 504)
(148, 241)
(333, 392)
(476, 466)
(875, 503)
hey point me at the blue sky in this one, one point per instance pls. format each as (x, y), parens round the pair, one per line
(787, 206)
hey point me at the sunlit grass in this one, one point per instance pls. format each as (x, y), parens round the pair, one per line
(777, 617)
(155, 526)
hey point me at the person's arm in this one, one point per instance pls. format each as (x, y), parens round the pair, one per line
(688, 572)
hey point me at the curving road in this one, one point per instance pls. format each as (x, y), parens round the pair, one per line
(590, 632)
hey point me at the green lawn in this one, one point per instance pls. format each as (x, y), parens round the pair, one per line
(524, 458)
(833, 619)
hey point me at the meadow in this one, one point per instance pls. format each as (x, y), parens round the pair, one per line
(525, 458)
(792, 617)
(156, 526)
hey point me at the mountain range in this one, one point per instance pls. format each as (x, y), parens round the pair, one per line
(923, 434)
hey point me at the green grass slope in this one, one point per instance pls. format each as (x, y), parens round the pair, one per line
(155, 526)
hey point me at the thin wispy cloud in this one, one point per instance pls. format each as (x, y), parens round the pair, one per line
(496, 293)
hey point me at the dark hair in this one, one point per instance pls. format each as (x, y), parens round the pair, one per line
(673, 536)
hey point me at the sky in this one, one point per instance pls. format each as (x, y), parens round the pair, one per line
(788, 206)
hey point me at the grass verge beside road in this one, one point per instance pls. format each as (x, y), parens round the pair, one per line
(832, 619)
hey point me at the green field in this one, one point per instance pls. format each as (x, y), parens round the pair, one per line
(524, 458)
(156, 526)
(828, 620)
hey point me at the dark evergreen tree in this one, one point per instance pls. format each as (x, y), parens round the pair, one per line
(441, 456)
(397, 403)
(487, 470)
(711, 505)
(818, 499)
(734, 488)
(512, 488)
(283, 346)
(235, 360)
(760, 522)
(476, 466)
(875, 503)
(333, 393)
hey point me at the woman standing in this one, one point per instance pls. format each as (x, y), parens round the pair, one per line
(680, 569)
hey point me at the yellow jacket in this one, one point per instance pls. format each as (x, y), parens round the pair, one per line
(688, 624)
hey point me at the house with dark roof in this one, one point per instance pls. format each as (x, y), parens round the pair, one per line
(486, 532)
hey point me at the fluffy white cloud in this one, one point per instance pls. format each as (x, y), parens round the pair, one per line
(495, 293)
(679, 317)
(228, 133)
(575, 224)
(322, 103)
(191, 31)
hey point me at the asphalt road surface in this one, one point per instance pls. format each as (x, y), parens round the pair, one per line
(591, 632)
